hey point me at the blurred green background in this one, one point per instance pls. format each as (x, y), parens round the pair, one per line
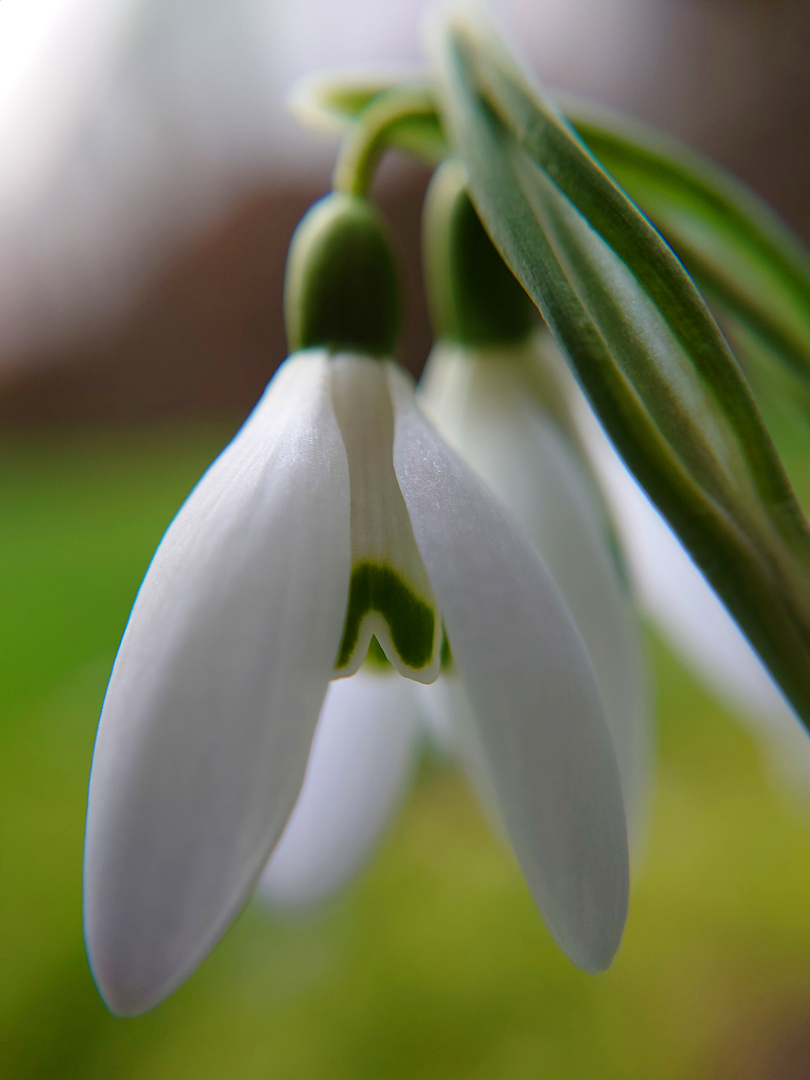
(434, 963)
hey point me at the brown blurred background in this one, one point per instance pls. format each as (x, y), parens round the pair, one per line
(179, 312)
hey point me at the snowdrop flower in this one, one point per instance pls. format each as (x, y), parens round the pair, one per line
(337, 514)
(489, 403)
(493, 387)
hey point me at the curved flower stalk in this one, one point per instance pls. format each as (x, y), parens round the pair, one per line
(336, 515)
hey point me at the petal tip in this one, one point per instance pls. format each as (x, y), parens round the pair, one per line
(598, 956)
(592, 944)
(123, 996)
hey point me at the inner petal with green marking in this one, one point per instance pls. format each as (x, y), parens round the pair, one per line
(390, 598)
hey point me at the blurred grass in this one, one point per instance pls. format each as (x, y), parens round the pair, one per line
(435, 963)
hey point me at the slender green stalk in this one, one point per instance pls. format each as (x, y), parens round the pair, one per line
(374, 132)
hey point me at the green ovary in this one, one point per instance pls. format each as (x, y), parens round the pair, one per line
(411, 622)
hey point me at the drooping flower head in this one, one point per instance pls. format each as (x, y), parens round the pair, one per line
(337, 514)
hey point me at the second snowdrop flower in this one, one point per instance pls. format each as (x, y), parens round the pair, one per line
(497, 390)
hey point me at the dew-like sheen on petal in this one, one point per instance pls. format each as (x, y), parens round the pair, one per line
(531, 688)
(215, 693)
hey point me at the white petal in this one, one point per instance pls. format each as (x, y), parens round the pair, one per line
(483, 403)
(532, 689)
(679, 597)
(389, 595)
(697, 623)
(449, 718)
(359, 769)
(215, 693)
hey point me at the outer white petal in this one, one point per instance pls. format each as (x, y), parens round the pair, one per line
(531, 687)
(680, 599)
(215, 693)
(483, 404)
(359, 769)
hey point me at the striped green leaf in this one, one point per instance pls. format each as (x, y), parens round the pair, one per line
(739, 252)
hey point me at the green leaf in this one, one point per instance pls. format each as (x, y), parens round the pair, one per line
(739, 252)
(642, 343)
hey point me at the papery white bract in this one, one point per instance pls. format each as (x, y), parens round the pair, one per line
(336, 513)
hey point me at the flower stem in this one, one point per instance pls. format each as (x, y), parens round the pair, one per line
(373, 134)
